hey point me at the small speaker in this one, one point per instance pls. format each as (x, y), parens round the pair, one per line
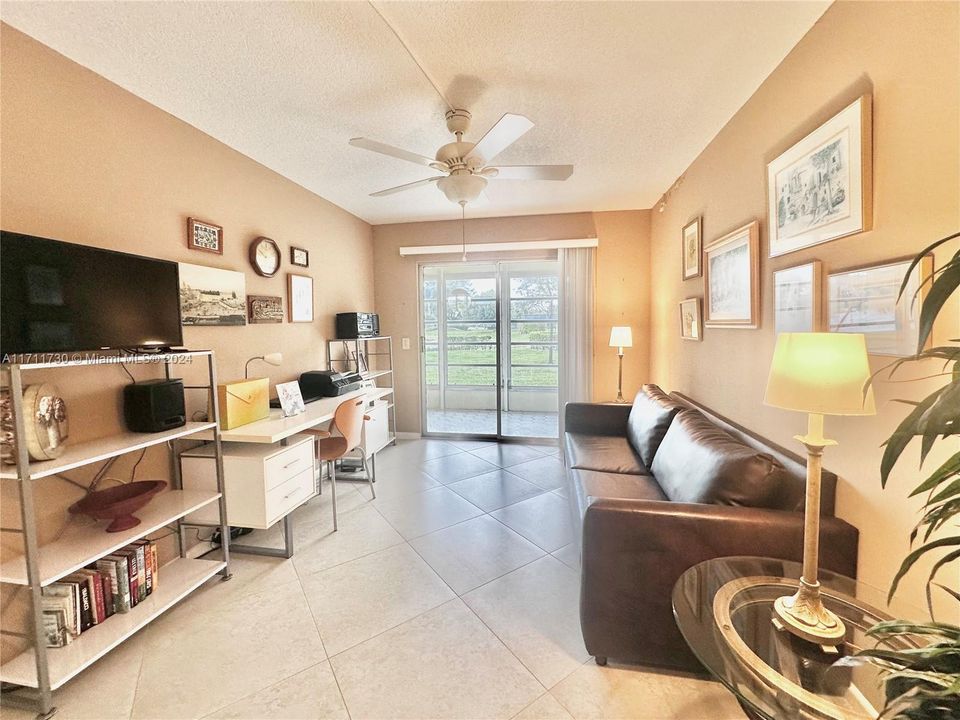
(154, 405)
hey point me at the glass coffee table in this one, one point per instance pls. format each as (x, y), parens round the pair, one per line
(724, 609)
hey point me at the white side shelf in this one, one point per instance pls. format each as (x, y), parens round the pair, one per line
(370, 375)
(80, 454)
(85, 541)
(176, 580)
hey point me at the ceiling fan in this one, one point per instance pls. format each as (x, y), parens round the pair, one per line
(464, 164)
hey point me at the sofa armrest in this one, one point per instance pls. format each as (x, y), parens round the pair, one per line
(684, 534)
(634, 551)
(596, 418)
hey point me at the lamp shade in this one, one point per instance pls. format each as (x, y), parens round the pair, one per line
(273, 358)
(621, 336)
(821, 373)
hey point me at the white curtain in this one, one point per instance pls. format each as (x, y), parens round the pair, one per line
(576, 326)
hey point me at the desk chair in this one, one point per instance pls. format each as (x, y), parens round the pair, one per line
(348, 421)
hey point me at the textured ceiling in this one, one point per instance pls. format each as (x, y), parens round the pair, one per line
(628, 92)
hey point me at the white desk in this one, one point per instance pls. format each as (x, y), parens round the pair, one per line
(258, 472)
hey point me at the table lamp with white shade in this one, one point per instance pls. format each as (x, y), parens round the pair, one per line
(819, 374)
(270, 358)
(621, 336)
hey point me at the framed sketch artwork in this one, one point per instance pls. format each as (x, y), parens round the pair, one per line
(731, 267)
(692, 245)
(820, 189)
(300, 297)
(797, 298)
(864, 300)
(691, 323)
(299, 256)
(211, 296)
(204, 236)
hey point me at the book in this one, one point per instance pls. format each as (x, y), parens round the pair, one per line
(155, 554)
(132, 572)
(144, 546)
(107, 589)
(71, 605)
(95, 588)
(57, 611)
(118, 568)
(86, 607)
(141, 571)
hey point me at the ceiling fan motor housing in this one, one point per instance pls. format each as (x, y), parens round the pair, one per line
(463, 187)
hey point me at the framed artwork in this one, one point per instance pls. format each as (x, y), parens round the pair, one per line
(300, 297)
(797, 298)
(732, 279)
(821, 188)
(204, 236)
(864, 300)
(299, 257)
(291, 399)
(691, 323)
(211, 296)
(692, 249)
(264, 309)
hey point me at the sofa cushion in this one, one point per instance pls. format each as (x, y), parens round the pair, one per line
(652, 412)
(699, 463)
(590, 485)
(605, 453)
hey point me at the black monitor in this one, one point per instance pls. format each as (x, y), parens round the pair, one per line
(62, 297)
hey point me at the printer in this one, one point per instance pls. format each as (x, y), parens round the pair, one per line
(328, 383)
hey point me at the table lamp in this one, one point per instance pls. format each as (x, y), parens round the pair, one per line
(270, 359)
(620, 337)
(819, 374)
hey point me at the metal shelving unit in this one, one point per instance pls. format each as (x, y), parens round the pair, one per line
(382, 376)
(42, 669)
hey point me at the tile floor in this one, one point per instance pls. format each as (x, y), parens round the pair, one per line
(452, 595)
(514, 424)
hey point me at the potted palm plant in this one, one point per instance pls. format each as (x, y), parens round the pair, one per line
(924, 683)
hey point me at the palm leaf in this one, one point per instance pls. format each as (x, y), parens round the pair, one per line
(912, 558)
(907, 627)
(909, 428)
(949, 468)
(919, 258)
(942, 288)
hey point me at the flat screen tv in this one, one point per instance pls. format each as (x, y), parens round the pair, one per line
(62, 297)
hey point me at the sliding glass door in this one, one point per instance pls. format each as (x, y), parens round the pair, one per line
(489, 349)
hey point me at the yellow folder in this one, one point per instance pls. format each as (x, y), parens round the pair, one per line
(243, 401)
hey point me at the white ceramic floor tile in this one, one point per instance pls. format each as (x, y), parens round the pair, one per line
(397, 482)
(544, 707)
(494, 490)
(613, 693)
(535, 611)
(545, 471)
(543, 520)
(415, 515)
(569, 555)
(417, 451)
(195, 663)
(443, 664)
(308, 695)
(451, 468)
(361, 533)
(359, 599)
(474, 552)
(695, 697)
(507, 455)
(471, 444)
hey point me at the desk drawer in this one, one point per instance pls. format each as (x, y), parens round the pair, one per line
(282, 499)
(279, 468)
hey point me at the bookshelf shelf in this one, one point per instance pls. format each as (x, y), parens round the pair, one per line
(92, 451)
(176, 580)
(376, 374)
(82, 544)
(356, 352)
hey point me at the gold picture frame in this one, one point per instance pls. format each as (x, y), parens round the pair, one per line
(691, 319)
(798, 298)
(691, 249)
(731, 272)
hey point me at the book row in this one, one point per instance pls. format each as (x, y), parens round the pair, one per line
(113, 584)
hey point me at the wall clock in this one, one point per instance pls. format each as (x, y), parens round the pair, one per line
(265, 256)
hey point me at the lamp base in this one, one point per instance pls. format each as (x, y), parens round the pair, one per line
(804, 615)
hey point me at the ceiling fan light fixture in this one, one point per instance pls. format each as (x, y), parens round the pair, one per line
(462, 188)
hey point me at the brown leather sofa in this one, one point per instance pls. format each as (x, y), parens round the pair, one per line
(660, 485)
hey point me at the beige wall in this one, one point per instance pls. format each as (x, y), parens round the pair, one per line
(85, 161)
(906, 54)
(622, 277)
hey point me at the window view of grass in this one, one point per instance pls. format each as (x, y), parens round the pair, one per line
(470, 337)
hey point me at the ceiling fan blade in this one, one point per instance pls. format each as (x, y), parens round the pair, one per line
(384, 149)
(408, 186)
(507, 131)
(530, 172)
